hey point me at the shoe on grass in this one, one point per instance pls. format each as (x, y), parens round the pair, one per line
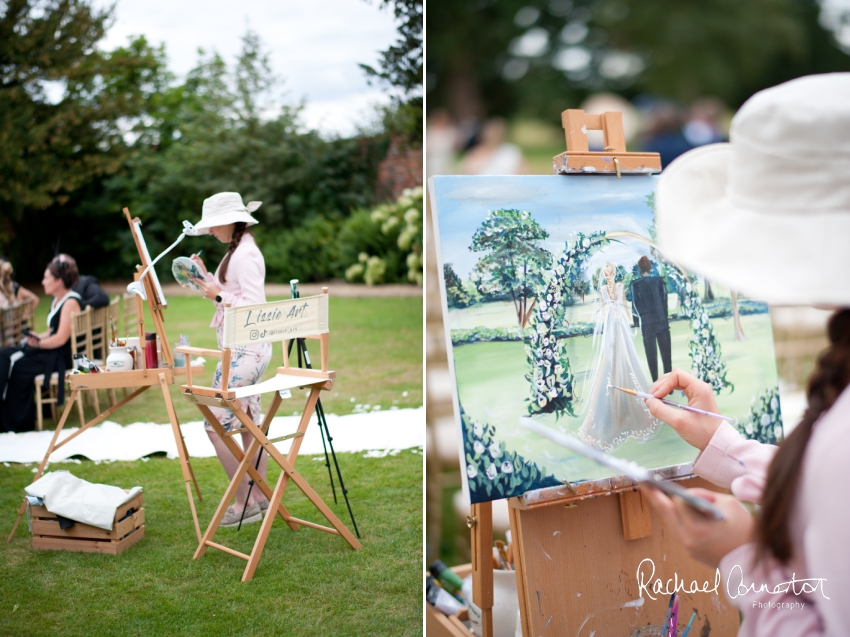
(231, 518)
(264, 506)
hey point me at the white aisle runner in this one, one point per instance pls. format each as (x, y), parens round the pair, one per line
(378, 432)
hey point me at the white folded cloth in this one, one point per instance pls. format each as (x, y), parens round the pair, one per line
(73, 498)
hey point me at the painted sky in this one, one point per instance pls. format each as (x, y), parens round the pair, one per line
(561, 204)
(315, 47)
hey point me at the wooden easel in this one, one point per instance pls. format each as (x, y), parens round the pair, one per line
(141, 379)
(561, 582)
(276, 328)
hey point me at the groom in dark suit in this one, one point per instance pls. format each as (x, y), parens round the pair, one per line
(649, 297)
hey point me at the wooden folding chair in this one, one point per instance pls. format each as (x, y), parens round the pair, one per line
(99, 342)
(278, 321)
(130, 317)
(80, 322)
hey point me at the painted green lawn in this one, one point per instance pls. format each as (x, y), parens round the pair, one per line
(375, 348)
(493, 389)
(307, 583)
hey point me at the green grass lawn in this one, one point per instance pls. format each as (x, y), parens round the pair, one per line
(375, 349)
(308, 582)
(492, 389)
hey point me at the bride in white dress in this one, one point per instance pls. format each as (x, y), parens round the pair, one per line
(613, 416)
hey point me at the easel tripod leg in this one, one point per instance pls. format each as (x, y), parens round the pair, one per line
(482, 563)
(68, 405)
(188, 475)
(320, 413)
(323, 428)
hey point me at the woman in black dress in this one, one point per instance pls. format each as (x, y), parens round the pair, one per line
(43, 353)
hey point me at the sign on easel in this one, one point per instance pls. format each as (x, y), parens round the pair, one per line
(272, 322)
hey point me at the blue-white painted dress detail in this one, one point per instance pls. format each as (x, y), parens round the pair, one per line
(612, 417)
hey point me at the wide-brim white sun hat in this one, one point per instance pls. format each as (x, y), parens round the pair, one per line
(224, 208)
(768, 214)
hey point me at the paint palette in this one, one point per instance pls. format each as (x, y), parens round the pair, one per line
(184, 270)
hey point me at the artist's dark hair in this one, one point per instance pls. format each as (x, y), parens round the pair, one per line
(64, 267)
(644, 264)
(239, 229)
(830, 378)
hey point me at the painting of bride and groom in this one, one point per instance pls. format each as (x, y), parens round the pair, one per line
(555, 292)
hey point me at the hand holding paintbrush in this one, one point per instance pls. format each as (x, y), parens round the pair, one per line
(695, 422)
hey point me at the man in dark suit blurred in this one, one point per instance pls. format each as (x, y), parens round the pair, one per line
(87, 287)
(649, 297)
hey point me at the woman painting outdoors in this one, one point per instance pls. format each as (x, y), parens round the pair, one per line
(612, 416)
(239, 280)
(769, 213)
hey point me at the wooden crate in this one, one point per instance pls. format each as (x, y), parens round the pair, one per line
(90, 539)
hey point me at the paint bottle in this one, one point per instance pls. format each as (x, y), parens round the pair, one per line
(447, 577)
(79, 365)
(151, 357)
(440, 599)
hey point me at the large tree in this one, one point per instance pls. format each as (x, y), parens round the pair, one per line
(66, 107)
(515, 263)
(400, 67)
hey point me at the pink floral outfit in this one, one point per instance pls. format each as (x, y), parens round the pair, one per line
(246, 275)
(781, 604)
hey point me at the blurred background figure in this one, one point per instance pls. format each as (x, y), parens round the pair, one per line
(493, 155)
(440, 142)
(664, 132)
(11, 292)
(86, 286)
(706, 123)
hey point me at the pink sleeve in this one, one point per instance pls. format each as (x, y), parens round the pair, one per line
(768, 597)
(733, 462)
(249, 273)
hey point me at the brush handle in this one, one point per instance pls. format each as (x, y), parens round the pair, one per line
(644, 395)
(688, 627)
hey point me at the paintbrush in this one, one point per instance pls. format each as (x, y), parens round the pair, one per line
(665, 631)
(626, 468)
(644, 395)
(674, 619)
(688, 627)
(503, 554)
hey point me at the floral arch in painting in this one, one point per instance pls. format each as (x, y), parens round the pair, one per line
(552, 384)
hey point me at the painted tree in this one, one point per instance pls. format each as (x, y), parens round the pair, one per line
(456, 294)
(550, 377)
(515, 263)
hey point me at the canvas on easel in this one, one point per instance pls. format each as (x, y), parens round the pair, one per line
(544, 288)
(145, 281)
(542, 279)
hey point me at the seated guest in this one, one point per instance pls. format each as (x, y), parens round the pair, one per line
(86, 286)
(11, 292)
(43, 353)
